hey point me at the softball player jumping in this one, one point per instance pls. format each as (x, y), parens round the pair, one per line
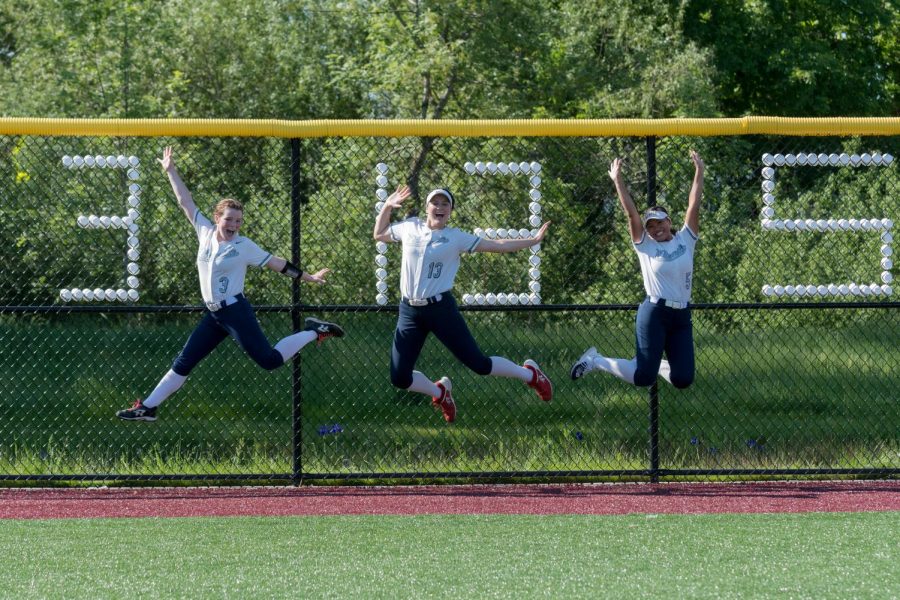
(222, 262)
(664, 317)
(431, 253)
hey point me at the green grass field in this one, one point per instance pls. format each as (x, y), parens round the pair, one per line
(778, 391)
(813, 555)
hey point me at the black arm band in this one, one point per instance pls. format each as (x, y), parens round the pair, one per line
(291, 270)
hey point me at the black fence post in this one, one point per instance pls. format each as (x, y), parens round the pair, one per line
(653, 390)
(297, 411)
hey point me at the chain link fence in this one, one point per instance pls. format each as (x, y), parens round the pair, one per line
(795, 321)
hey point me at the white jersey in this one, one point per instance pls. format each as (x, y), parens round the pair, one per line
(222, 266)
(430, 256)
(668, 267)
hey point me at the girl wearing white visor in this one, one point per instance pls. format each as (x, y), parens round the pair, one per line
(431, 252)
(663, 322)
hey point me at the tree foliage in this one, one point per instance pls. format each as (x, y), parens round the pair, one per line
(424, 59)
(454, 58)
(800, 57)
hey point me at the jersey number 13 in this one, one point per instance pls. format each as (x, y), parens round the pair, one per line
(434, 269)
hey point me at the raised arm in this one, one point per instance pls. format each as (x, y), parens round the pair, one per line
(185, 200)
(503, 246)
(635, 226)
(692, 217)
(382, 231)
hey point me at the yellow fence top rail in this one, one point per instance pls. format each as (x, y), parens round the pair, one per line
(835, 126)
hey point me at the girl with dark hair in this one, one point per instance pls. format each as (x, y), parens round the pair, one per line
(664, 317)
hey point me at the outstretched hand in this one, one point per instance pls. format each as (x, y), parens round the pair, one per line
(615, 169)
(699, 165)
(319, 276)
(542, 231)
(167, 162)
(398, 197)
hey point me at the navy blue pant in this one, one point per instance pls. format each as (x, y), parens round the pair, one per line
(237, 320)
(446, 322)
(662, 329)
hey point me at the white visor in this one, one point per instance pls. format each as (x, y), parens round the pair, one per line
(440, 192)
(659, 215)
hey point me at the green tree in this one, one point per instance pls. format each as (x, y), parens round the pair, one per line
(625, 61)
(800, 57)
(197, 59)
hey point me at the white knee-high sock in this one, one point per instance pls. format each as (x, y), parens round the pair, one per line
(423, 385)
(170, 383)
(292, 344)
(503, 367)
(665, 371)
(621, 368)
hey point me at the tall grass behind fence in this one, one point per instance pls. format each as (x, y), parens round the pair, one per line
(787, 382)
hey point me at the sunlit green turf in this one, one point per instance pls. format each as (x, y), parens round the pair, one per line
(815, 555)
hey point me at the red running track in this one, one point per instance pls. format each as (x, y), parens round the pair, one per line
(595, 499)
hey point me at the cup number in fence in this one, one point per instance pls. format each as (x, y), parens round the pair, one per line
(532, 172)
(127, 222)
(882, 226)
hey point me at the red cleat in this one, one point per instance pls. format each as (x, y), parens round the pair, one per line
(445, 400)
(540, 383)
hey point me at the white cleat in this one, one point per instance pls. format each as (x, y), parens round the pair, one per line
(584, 365)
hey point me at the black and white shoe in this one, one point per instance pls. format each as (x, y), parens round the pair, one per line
(584, 365)
(138, 412)
(323, 329)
